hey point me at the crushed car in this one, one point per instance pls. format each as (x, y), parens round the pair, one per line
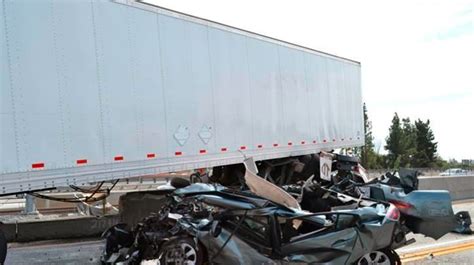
(427, 212)
(211, 224)
(303, 210)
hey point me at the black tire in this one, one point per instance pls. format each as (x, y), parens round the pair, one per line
(179, 182)
(187, 250)
(381, 256)
(3, 247)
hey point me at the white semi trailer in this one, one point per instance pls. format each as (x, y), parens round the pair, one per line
(100, 90)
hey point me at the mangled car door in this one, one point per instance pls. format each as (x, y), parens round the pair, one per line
(315, 242)
(335, 248)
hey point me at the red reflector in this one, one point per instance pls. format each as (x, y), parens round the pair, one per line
(224, 149)
(259, 146)
(151, 155)
(81, 161)
(118, 158)
(178, 153)
(202, 151)
(303, 142)
(243, 147)
(37, 165)
(275, 145)
(290, 143)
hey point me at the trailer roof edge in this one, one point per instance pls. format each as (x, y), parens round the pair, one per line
(143, 5)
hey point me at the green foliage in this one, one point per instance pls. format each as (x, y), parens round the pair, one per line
(367, 154)
(395, 144)
(408, 144)
(426, 147)
(411, 145)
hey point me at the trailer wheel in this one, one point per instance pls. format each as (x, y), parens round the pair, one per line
(3, 246)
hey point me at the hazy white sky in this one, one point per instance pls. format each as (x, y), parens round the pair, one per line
(417, 56)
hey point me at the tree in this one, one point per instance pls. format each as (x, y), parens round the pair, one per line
(426, 147)
(368, 155)
(408, 142)
(394, 144)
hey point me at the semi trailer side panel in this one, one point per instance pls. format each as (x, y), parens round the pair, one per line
(100, 90)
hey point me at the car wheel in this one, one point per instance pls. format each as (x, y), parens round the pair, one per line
(382, 257)
(181, 251)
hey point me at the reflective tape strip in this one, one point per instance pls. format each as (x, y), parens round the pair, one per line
(37, 165)
(118, 158)
(150, 155)
(81, 161)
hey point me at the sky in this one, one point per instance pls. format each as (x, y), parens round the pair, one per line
(417, 57)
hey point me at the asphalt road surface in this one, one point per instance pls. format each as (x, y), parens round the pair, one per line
(88, 251)
(460, 258)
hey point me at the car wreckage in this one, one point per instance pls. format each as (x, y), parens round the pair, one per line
(344, 219)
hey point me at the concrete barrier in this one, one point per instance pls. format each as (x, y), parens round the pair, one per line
(62, 228)
(134, 206)
(460, 187)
